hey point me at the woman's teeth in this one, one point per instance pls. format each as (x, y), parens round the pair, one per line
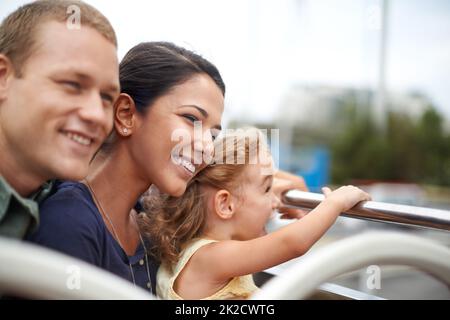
(77, 138)
(186, 164)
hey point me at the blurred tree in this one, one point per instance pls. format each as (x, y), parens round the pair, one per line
(409, 151)
(358, 152)
(434, 148)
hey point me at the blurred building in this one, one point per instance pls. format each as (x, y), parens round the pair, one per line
(320, 106)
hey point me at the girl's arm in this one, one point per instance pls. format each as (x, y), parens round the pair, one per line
(226, 259)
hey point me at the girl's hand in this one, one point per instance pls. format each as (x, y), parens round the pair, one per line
(282, 182)
(345, 197)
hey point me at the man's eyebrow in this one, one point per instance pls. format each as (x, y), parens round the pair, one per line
(79, 75)
(111, 88)
(204, 113)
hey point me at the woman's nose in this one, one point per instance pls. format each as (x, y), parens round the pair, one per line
(204, 147)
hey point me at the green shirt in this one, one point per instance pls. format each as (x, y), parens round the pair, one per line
(19, 215)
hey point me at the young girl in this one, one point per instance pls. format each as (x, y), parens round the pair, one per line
(211, 239)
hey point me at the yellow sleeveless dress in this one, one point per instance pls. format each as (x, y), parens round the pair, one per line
(238, 288)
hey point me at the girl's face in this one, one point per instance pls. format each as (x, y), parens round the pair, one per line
(256, 203)
(164, 146)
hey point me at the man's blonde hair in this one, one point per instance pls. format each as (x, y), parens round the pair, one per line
(18, 30)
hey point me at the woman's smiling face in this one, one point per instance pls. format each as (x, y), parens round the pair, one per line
(157, 147)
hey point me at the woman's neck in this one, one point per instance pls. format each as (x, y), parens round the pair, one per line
(117, 186)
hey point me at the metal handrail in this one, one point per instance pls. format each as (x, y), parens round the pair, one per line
(377, 211)
(301, 279)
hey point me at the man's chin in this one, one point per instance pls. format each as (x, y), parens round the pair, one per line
(74, 172)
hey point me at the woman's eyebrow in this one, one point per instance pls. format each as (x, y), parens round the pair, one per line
(204, 113)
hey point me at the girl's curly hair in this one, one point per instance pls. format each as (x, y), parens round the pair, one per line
(170, 222)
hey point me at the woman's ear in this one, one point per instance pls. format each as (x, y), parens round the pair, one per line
(224, 204)
(124, 115)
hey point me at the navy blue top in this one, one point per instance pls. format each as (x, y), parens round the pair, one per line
(70, 222)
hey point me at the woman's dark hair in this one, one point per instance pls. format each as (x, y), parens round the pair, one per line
(150, 69)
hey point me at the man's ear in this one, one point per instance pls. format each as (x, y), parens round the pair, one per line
(6, 74)
(224, 204)
(124, 115)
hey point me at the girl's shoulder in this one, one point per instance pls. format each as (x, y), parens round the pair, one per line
(190, 249)
(197, 243)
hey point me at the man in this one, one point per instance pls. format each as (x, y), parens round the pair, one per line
(58, 82)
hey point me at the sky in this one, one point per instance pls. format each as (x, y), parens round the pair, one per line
(263, 48)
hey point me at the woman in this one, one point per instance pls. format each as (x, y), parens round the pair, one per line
(163, 88)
